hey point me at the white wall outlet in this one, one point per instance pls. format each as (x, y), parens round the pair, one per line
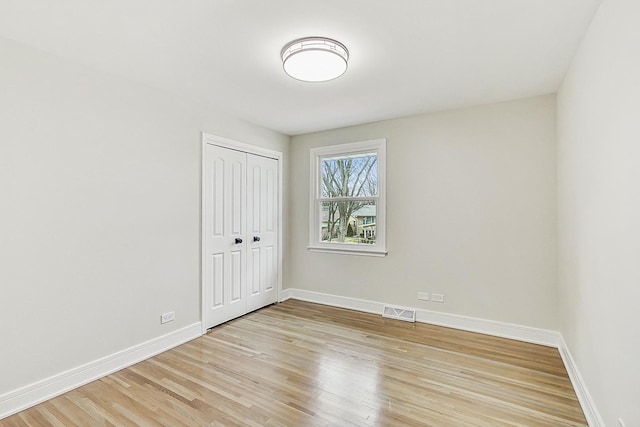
(168, 317)
(437, 297)
(424, 296)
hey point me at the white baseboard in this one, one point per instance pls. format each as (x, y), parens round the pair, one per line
(472, 324)
(284, 295)
(584, 397)
(30, 395)
(336, 300)
(25, 397)
(490, 327)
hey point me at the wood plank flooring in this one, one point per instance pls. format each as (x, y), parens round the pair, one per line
(303, 364)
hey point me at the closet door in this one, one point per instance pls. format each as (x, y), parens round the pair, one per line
(262, 232)
(240, 233)
(224, 223)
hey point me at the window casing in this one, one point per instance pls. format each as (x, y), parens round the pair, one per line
(347, 198)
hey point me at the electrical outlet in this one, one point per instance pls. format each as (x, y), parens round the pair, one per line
(437, 297)
(424, 296)
(168, 317)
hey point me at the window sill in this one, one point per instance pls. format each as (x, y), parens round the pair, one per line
(348, 251)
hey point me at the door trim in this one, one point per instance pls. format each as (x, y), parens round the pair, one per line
(209, 139)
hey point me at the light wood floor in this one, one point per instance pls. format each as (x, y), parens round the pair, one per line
(302, 364)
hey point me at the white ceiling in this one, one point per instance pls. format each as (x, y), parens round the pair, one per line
(406, 56)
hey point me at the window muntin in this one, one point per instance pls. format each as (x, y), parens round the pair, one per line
(347, 198)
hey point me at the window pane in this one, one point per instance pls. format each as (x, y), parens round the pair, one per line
(351, 222)
(350, 176)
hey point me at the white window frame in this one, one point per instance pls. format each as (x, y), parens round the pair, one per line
(379, 248)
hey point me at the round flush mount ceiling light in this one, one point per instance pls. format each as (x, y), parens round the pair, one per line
(314, 59)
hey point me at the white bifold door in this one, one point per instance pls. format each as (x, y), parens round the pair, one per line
(240, 233)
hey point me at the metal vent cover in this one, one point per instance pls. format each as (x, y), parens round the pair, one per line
(399, 313)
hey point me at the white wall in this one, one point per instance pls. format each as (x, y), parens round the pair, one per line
(99, 212)
(471, 214)
(599, 210)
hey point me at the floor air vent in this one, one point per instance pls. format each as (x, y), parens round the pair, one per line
(406, 314)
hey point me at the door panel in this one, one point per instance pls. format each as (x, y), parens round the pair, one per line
(271, 198)
(237, 196)
(254, 205)
(262, 202)
(236, 276)
(270, 268)
(218, 197)
(254, 281)
(217, 283)
(224, 218)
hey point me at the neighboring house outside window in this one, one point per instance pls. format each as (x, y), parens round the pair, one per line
(363, 224)
(347, 198)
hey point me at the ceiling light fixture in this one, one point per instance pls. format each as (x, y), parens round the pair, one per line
(314, 59)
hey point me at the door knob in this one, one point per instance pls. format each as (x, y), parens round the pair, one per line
(256, 238)
(238, 240)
